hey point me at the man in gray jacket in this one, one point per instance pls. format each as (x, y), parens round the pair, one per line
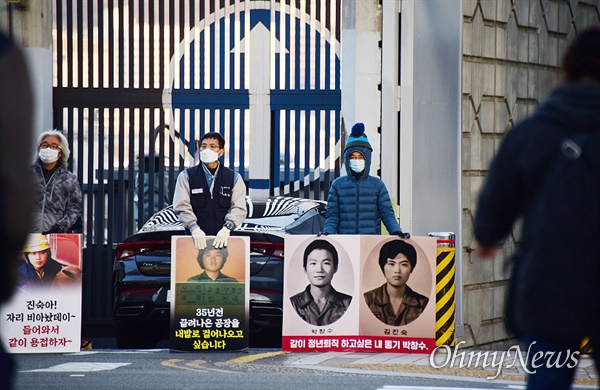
(58, 204)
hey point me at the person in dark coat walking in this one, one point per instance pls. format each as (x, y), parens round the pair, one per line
(554, 296)
(16, 181)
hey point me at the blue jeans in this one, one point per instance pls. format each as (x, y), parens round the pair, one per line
(553, 371)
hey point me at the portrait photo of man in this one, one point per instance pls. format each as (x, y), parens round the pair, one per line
(39, 268)
(212, 261)
(320, 304)
(395, 303)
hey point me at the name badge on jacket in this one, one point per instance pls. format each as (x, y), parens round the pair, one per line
(197, 190)
(226, 191)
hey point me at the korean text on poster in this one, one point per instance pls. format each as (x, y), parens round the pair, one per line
(210, 290)
(44, 314)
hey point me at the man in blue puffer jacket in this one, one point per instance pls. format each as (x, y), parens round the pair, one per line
(358, 202)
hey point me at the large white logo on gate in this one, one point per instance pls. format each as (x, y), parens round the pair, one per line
(222, 74)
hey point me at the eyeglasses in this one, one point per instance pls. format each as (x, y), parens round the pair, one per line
(51, 146)
(214, 147)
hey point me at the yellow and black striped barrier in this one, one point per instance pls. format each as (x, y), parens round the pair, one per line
(445, 289)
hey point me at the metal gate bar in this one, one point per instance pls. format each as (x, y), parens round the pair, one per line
(112, 69)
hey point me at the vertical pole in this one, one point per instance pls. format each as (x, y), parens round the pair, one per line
(445, 282)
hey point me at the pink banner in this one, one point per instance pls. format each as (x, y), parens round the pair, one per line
(359, 293)
(357, 344)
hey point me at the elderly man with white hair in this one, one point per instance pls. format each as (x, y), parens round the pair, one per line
(58, 196)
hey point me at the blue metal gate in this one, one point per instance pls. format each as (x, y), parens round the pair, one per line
(137, 82)
(239, 62)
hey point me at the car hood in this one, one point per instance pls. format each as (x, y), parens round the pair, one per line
(277, 215)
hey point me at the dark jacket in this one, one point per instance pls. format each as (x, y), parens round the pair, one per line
(16, 181)
(379, 303)
(308, 310)
(209, 207)
(57, 202)
(358, 206)
(554, 292)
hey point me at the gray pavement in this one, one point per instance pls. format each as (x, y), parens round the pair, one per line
(511, 368)
(483, 365)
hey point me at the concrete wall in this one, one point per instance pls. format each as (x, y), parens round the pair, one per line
(429, 150)
(361, 69)
(511, 51)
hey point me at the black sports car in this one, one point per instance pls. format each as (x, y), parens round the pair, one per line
(142, 268)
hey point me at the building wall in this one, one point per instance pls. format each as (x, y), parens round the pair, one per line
(511, 53)
(361, 69)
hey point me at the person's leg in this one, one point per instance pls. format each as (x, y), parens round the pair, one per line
(7, 369)
(549, 365)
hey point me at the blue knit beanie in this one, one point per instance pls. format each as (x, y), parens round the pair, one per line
(358, 137)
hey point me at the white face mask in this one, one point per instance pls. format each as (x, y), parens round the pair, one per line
(208, 156)
(357, 165)
(48, 156)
